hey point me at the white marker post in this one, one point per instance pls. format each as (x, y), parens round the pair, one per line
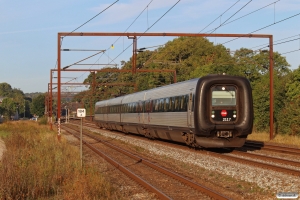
(81, 113)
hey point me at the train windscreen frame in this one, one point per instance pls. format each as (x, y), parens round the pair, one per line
(223, 95)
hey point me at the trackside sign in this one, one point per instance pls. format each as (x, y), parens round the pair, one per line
(81, 112)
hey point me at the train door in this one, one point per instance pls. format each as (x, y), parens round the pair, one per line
(189, 110)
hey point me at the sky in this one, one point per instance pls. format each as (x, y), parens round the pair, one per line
(28, 32)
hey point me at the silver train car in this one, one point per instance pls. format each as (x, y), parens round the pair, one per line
(214, 111)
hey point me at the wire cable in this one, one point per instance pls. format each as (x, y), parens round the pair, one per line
(147, 29)
(83, 25)
(276, 41)
(133, 21)
(248, 14)
(230, 17)
(91, 18)
(219, 16)
(118, 37)
(290, 51)
(265, 27)
(279, 43)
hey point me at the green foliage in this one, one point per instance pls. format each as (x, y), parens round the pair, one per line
(8, 107)
(13, 102)
(288, 122)
(37, 105)
(293, 85)
(5, 89)
(261, 103)
(193, 57)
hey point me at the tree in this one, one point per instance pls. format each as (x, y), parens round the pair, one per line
(5, 89)
(37, 105)
(8, 107)
(290, 115)
(293, 85)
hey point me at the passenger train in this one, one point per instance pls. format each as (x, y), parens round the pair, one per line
(214, 111)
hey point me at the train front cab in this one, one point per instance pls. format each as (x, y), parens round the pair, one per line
(223, 111)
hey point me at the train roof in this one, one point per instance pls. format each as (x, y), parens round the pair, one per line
(160, 91)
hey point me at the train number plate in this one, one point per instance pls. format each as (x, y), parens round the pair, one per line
(227, 119)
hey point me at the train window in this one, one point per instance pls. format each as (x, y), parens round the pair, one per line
(148, 106)
(223, 95)
(158, 105)
(135, 107)
(171, 104)
(161, 105)
(177, 100)
(142, 106)
(183, 103)
(166, 104)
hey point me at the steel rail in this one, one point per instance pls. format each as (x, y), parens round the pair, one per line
(271, 147)
(163, 170)
(256, 163)
(264, 157)
(123, 169)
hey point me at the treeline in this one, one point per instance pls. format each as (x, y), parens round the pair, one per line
(16, 104)
(193, 57)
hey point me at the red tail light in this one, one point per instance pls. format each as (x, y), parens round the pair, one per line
(224, 113)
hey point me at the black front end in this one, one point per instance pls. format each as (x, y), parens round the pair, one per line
(223, 111)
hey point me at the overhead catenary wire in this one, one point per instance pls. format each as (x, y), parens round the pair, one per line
(230, 17)
(219, 16)
(264, 27)
(118, 37)
(214, 21)
(85, 24)
(247, 14)
(278, 41)
(290, 51)
(134, 20)
(91, 18)
(147, 29)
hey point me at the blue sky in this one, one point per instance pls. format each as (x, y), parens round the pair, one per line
(28, 31)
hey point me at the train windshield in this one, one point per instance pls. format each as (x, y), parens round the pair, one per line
(223, 96)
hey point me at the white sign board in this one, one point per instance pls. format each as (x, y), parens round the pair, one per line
(81, 112)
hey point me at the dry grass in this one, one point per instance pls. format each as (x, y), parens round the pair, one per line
(37, 166)
(280, 139)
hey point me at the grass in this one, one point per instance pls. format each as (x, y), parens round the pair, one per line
(37, 166)
(279, 139)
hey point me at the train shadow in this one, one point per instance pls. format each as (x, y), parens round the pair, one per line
(251, 145)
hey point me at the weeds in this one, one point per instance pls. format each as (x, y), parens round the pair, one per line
(36, 166)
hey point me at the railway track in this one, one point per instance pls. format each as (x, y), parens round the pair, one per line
(164, 183)
(257, 145)
(256, 159)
